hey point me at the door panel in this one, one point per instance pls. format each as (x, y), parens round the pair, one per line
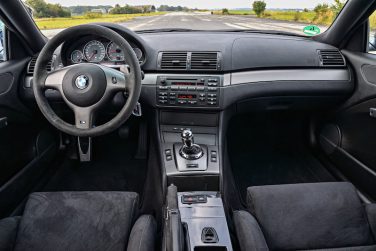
(351, 146)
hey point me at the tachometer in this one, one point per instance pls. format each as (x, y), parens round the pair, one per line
(77, 56)
(94, 51)
(114, 52)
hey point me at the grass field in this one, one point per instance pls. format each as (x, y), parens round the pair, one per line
(304, 17)
(372, 21)
(58, 23)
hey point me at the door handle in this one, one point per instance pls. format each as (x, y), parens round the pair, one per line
(3, 122)
(372, 112)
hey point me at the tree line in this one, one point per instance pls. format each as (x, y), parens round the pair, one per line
(324, 12)
(42, 9)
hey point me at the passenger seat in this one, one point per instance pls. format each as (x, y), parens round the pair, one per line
(317, 216)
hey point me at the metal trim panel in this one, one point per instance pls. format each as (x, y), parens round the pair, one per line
(290, 75)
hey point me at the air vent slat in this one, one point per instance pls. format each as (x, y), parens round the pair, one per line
(331, 58)
(174, 60)
(31, 66)
(204, 61)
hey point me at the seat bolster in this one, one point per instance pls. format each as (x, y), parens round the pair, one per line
(371, 213)
(143, 233)
(248, 232)
(310, 216)
(8, 233)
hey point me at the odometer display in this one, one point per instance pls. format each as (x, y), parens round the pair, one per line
(94, 51)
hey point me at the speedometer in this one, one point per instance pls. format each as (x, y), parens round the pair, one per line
(94, 51)
(114, 52)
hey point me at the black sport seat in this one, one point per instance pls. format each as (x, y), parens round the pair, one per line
(79, 221)
(318, 216)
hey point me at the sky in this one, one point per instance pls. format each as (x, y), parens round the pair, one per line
(201, 4)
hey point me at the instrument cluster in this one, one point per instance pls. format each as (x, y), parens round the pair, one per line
(100, 51)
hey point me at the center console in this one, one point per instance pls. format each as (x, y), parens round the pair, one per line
(189, 128)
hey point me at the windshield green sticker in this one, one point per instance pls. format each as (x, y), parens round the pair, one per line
(311, 30)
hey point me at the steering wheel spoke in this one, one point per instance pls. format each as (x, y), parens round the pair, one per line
(84, 117)
(116, 80)
(54, 80)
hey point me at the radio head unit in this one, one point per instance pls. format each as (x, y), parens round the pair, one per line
(192, 91)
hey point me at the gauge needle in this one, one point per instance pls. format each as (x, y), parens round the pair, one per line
(92, 55)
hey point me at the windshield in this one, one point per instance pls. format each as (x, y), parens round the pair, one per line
(300, 17)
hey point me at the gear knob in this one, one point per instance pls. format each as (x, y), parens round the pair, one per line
(190, 150)
(187, 138)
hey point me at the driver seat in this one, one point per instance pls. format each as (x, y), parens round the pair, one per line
(79, 221)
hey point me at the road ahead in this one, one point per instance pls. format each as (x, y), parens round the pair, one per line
(202, 21)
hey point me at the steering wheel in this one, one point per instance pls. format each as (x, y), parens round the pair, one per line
(86, 87)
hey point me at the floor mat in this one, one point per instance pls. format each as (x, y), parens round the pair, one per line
(113, 168)
(270, 149)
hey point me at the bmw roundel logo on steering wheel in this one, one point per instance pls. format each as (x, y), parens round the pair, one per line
(82, 82)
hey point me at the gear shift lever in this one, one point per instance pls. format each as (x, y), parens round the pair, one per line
(190, 150)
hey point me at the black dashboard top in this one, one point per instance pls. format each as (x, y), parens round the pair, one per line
(239, 51)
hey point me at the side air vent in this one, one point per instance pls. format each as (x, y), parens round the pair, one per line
(174, 61)
(331, 58)
(204, 61)
(31, 66)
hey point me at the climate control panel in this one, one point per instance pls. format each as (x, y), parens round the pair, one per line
(192, 91)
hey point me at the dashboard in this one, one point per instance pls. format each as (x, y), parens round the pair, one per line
(93, 49)
(215, 70)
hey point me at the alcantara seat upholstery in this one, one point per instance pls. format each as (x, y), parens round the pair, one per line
(79, 221)
(316, 216)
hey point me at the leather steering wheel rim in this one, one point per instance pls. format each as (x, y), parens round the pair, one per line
(132, 81)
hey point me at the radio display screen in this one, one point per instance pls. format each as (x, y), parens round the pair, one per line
(187, 96)
(183, 83)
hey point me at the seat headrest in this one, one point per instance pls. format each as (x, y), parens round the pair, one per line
(308, 216)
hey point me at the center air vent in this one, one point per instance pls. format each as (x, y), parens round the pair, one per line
(31, 66)
(332, 58)
(174, 61)
(204, 61)
(186, 61)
